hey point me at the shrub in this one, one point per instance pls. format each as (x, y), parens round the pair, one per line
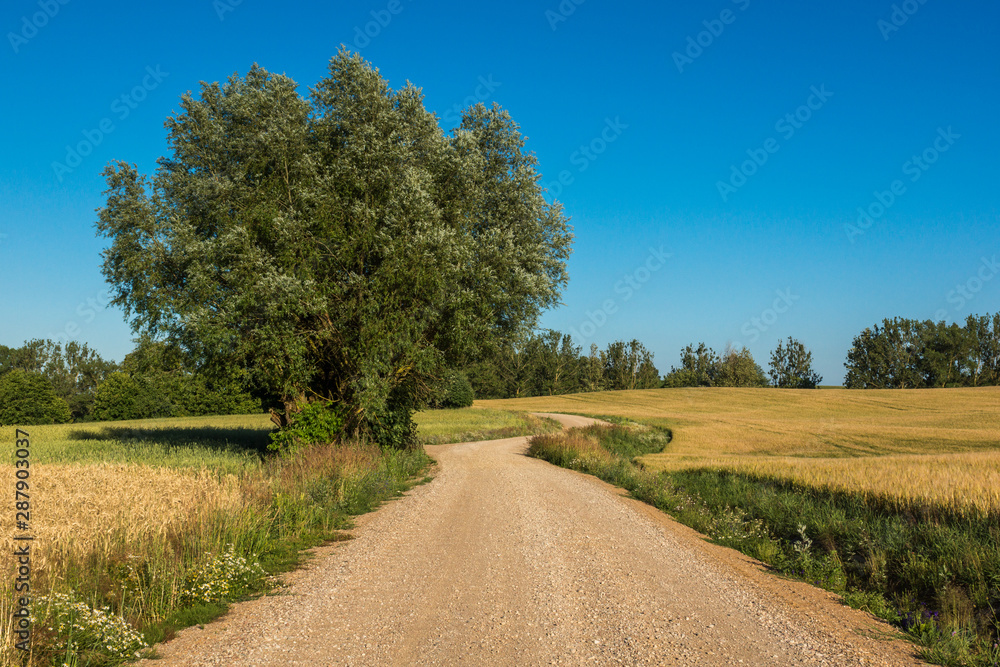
(319, 422)
(28, 398)
(458, 392)
(122, 396)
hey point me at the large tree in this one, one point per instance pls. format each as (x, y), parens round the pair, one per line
(340, 248)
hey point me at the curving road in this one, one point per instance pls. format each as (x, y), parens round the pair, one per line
(507, 560)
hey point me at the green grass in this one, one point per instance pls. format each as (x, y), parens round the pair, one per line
(226, 443)
(233, 443)
(438, 427)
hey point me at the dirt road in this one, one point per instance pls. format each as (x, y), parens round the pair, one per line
(507, 560)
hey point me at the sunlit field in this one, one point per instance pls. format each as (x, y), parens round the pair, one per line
(940, 446)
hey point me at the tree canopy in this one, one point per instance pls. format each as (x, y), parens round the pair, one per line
(338, 248)
(907, 354)
(791, 366)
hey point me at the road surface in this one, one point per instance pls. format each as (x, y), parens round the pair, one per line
(507, 560)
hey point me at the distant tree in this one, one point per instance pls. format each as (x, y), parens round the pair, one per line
(886, 357)
(341, 248)
(984, 349)
(629, 366)
(73, 370)
(791, 366)
(28, 398)
(592, 370)
(698, 366)
(554, 361)
(737, 368)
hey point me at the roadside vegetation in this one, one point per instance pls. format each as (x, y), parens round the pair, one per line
(145, 527)
(905, 527)
(439, 427)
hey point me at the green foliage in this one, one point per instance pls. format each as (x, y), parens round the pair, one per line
(318, 422)
(547, 363)
(73, 369)
(629, 366)
(224, 578)
(121, 396)
(738, 369)
(94, 636)
(791, 366)
(28, 398)
(698, 368)
(905, 354)
(341, 246)
(456, 391)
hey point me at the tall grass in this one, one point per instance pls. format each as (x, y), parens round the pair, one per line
(156, 548)
(931, 569)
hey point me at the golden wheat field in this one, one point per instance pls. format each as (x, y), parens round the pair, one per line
(939, 446)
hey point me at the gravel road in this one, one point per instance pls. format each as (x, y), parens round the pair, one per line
(507, 560)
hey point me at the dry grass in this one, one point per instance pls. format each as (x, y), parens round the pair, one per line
(937, 446)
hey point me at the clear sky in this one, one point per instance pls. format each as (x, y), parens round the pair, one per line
(716, 157)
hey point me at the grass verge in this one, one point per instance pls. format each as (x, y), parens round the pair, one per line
(132, 553)
(442, 427)
(932, 571)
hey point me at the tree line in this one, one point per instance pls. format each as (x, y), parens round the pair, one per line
(548, 363)
(45, 382)
(906, 354)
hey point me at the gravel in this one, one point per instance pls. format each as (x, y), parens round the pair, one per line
(507, 560)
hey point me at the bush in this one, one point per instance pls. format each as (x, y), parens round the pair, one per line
(121, 396)
(124, 396)
(457, 392)
(28, 398)
(317, 423)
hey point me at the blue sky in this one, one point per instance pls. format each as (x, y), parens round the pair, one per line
(746, 140)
